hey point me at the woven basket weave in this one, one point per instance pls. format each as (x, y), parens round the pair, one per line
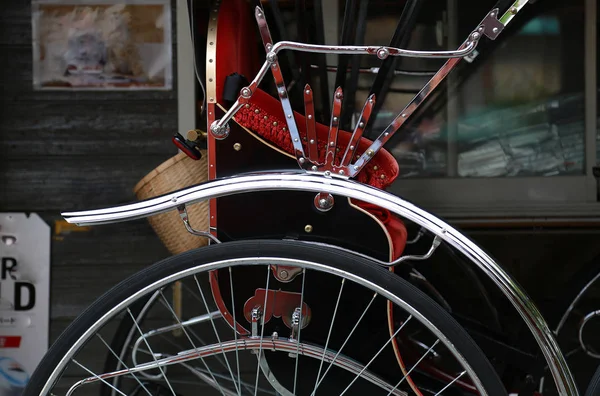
(177, 172)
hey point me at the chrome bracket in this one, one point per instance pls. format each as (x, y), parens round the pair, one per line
(492, 27)
(256, 316)
(186, 221)
(434, 245)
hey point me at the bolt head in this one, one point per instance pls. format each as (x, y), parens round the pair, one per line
(272, 57)
(246, 92)
(382, 53)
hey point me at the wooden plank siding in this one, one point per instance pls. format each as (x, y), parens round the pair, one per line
(77, 150)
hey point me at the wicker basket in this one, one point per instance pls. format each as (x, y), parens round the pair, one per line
(177, 172)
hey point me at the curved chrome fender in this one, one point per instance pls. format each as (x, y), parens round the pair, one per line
(301, 181)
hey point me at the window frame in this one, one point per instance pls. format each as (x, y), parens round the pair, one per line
(554, 196)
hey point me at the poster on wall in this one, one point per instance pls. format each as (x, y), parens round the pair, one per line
(24, 298)
(102, 44)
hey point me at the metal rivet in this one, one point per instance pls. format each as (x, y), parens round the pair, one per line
(259, 15)
(338, 95)
(265, 118)
(403, 115)
(269, 47)
(335, 119)
(275, 123)
(237, 147)
(211, 43)
(342, 172)
(247, 106)
(210, 80)
(301, 160)
(495, 30)
(476, 35)
(361, 124)
(310, 117)
(327, 173)
(370, 153)
(355, 167)
(514, 10)
(382, 176)
(211, 99)
(257, 111)
(371, 101)
(351, 147)
(332, 144)
(308, 228)
(210, 60)
(493, 14)
(289, 116)
(312, 141)
(296, 140)
(174, 199)
(314, 168)
(284, 128)
(386, 134)
(307, 92)
(375, 167)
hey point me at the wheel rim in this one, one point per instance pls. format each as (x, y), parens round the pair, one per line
(303, 349)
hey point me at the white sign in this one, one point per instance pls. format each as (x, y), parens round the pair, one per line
(24, 298)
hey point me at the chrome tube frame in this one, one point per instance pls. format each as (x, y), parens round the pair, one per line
(320, 183)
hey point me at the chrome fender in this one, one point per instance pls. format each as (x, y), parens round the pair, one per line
(301, 181)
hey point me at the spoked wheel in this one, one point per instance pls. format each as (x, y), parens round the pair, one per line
(309, 320)
(577, 325)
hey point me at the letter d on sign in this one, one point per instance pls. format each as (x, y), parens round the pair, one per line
(19, 304)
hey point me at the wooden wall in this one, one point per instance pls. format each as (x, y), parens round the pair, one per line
(69, 151)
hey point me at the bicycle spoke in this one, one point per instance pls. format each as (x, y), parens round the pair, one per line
(344, 344)
(450, 384)
(377, 354)
(185, 331)
(414, 366)
(152, 352)
(262, 330)
(237, 357)
(212, 322)
(299, 329)
(99, 378)
(123, 363)
(337, 303)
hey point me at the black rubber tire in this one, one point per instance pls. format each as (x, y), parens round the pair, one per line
(351, 263)
(594, 386)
